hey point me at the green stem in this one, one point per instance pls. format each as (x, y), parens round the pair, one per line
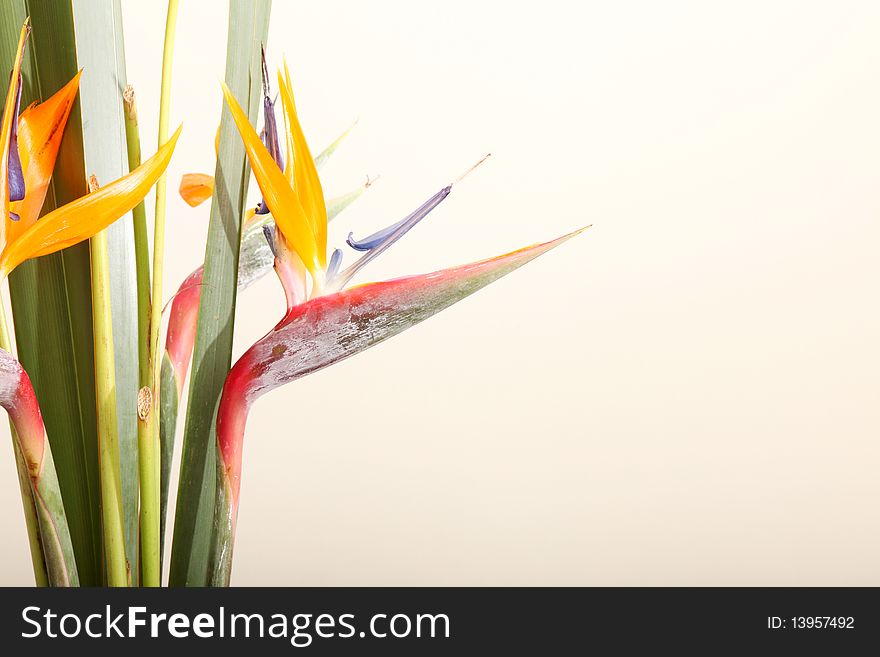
(142, 268)
(105, 391)
(141, 241)
(150, 451)
(55, 532)
(30, 516)
(38, 560)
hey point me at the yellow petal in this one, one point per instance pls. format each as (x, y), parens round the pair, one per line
(196, 188)
(306, 182)
(89, 214)
(6, 129)
(289, 168)
(40, 129)
(290, 218)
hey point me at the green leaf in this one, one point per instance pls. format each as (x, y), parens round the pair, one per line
(100, 52)
(248, 27)
(167, 427)
(51, 296)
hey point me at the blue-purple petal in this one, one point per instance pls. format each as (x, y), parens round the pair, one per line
(375, 239)
(269, 133)
(334, 264)
(16, 176)
(397, 231)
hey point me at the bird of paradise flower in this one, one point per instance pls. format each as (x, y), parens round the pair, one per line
(325, 320)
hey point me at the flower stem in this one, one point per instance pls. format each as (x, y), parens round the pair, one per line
(142, 268)
(232, 414)
(105, 392)
(38, 560)
(141, 241)
(149, 456)
(37, 472)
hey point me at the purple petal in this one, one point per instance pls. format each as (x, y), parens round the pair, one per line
(16, 177)
(335, 263)
(375, 239)
(394, 233)
(269, 133)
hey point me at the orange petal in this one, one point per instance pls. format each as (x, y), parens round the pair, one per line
(279, 195)
(89, 214)
(196, 188)
(40, 129)
(306, 182)
(6, 130)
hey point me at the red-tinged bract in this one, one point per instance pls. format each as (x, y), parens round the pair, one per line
(182, 325)
(18, 398)
(330, 328)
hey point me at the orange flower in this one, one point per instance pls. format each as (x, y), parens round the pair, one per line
(28, 148)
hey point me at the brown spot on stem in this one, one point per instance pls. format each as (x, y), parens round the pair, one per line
(144, 403)
(129, 103)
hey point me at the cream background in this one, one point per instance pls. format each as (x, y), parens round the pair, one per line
(686, 394)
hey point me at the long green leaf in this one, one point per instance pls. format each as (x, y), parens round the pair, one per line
(248, 27)
(100, 52)
(167, 427)
(51, 296)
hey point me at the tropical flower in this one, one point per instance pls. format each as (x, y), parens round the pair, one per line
(28, 147)
(325, 321)
(256, 257)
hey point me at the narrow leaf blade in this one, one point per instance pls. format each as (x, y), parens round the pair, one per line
(248, 27)
(101, 54)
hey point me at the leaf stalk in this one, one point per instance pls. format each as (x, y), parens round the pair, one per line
(148, 440)
(117, 567)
